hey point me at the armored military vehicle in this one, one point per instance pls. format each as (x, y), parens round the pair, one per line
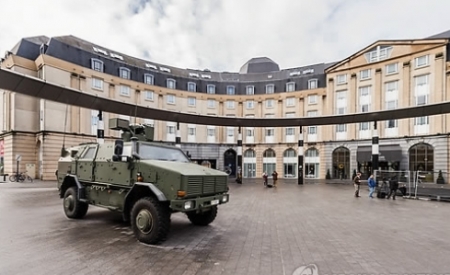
(145, 180)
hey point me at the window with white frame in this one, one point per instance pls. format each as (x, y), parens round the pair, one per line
(96, 65)
(341, 102)
(341, 79)
(364, 98)
(191, 130)
(290, 131)
(192, 87)
(170, 99)
(211, 103)
(364, 74)
(97, 83)
(171, 83)
(191, 101)
(249, 132)
(270, 131)
(391, 104)
(148, 95)
(290, 86)
(391, 101)
(269, 103)
(250, 90)
(341, 128)
(421, 92)
(230, 104)
(230, 131)
(312, 130)
(170, 129)
(421, 61)
(211, 131)
(149, 79)
(392, 68)
(231, 90)
(124, 90)
(312, 99)
(250, 104)
(290, 101)
(364, 126)
(211, 89)
(312, 84)
(124, 73)
(270, 88)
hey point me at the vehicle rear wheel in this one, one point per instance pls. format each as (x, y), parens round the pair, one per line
(203, 218)
(73, 208)
(150, 220)
(12, 178)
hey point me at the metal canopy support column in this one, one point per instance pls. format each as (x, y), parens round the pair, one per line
(239, 158)
(300, 157)
(178, 138)
(100, 128)
(375, 148)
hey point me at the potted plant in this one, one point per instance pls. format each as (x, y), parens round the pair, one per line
(440, 178)
(328, 176)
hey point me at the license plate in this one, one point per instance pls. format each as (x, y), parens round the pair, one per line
(214, 202)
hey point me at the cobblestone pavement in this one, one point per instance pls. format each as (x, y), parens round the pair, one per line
(260, 231)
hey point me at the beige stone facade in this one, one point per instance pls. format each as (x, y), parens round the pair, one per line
(386, 74)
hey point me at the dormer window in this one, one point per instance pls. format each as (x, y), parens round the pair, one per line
(96, 65)
(230, 90)
(211, 89)
(290, 86)
(250, 90)
(171, 84)
(124, 73)
(192, 87)
(270, 88)
(149, 79)
(312, 84)
(379, 53)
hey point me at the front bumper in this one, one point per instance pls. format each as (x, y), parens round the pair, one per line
(185, 205)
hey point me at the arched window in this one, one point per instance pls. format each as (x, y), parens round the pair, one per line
(269, 161)
(312, 163)
(421, 157)
(290, 163)
(341, 163)
(269, 153)
(249, 167)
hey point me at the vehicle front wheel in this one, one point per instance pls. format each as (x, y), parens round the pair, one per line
(73, 208)
(203, 218)
(150, 220)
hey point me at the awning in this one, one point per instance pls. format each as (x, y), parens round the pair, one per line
(390, 153)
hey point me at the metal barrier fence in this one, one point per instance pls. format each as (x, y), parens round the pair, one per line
(414, 184)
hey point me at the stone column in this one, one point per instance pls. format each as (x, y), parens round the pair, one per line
(300, 157)
(100, 128)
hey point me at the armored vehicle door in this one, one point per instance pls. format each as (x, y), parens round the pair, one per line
(85, 164)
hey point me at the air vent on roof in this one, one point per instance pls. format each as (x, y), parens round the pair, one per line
(206, 76)
(308, 71)
(118, 56)
(294, 73)
(269, 76)
(167, 70)
(206, 70)
(193, 74)
(151, 66)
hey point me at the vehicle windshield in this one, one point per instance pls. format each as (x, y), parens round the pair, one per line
(151, 152)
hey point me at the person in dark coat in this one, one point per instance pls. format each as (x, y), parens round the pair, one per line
(393, 186)
(275, 178)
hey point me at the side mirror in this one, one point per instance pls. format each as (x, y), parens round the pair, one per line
(118, 149)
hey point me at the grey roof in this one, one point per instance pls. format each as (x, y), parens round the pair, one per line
(259, 65)
(37, 40)
(445, 34)
(255, 64)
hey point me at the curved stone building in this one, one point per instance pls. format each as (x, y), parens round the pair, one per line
(385, 75)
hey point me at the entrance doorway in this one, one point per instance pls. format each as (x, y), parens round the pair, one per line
(341, 163)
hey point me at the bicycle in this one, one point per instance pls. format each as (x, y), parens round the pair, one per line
(20, 177)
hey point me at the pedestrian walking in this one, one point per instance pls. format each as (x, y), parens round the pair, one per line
(357, 183)
(265, 177)
(372, 184)
(393, 186)
(275, 178)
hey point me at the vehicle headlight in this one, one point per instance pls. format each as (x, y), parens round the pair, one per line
(224, 198)
(188, 205)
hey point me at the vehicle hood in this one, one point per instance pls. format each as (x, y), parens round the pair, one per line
(185, 168)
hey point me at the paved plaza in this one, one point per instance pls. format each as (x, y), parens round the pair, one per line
(260, 231)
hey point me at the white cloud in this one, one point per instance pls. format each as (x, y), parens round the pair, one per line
(223, 34)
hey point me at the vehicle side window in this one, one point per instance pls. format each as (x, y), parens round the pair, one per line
(89, 153)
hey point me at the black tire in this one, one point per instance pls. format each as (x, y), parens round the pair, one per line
(150, 220)
(73, 208)
(203, 218)
(12, 178)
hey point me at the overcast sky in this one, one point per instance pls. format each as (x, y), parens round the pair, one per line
(222, 35)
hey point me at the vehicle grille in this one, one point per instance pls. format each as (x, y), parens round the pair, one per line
(202, 185)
